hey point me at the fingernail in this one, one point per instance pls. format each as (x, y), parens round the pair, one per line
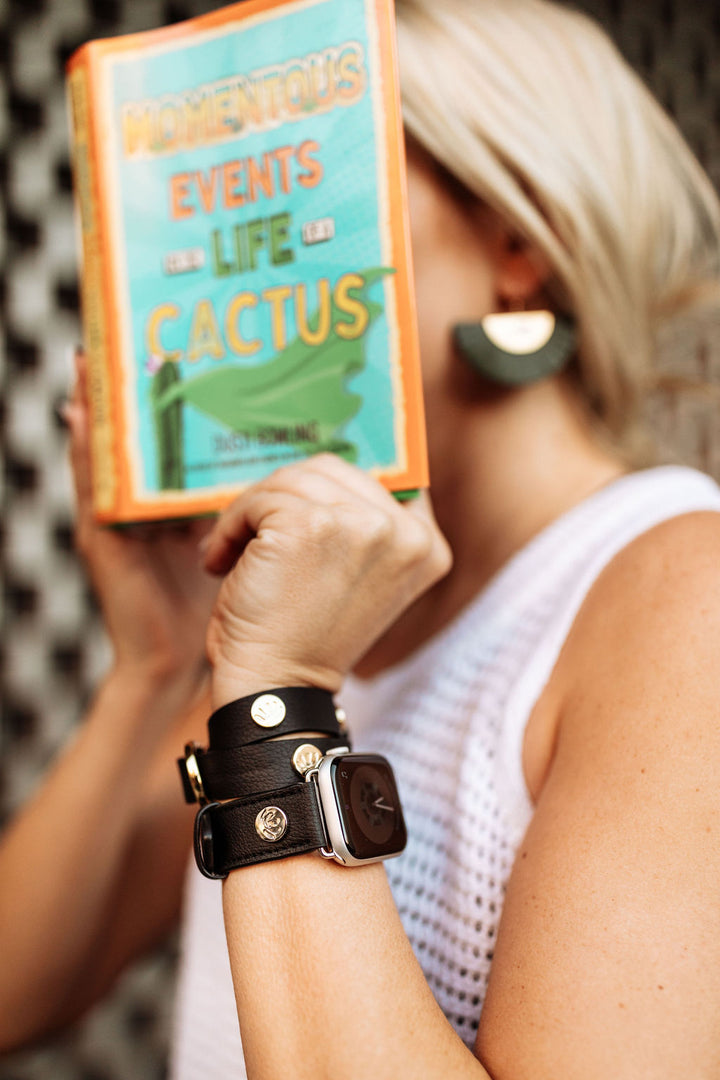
(204, 546)
(62, 411)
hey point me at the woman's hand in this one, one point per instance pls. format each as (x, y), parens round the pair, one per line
(155, 597)
(320, 560)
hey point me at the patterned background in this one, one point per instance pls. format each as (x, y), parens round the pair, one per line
(53, 648)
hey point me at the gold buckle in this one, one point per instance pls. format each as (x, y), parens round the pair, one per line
(192, 769)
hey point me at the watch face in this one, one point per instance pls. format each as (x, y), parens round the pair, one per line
(370, 811)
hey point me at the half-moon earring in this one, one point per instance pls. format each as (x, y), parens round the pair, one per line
(516, 347)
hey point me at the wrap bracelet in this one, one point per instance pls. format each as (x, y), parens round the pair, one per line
(216, 775)
(249, 749)
(287, 710)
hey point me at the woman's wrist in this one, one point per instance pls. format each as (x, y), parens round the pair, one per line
(143, 699)
(157, 670)
(261, 671)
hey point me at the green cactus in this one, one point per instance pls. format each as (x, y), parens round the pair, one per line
(168, 428)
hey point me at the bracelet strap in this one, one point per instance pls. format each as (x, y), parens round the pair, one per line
(285, 711)
(258, 828)
(212, 775)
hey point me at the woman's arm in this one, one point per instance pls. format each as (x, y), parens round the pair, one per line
(326, 982)
(607, 958)
(91, 868)
(321, 965)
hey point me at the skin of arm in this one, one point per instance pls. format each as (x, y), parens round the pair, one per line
(608, 954)
(608, 951)
(91, 868)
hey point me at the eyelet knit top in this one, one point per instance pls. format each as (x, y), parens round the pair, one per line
(451, 719)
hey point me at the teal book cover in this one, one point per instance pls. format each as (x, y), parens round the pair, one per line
(247, 289)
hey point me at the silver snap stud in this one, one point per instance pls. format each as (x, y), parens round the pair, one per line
(271, 824)
(305, 758)
(268, 711)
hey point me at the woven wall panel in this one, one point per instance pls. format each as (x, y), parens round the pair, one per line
(53, 649)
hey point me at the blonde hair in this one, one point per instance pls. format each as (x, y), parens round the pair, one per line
(532, 108)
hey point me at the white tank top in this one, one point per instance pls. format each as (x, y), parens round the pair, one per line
(451, 719)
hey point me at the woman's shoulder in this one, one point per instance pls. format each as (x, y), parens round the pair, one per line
(642, 648)
(666, 552)
(648, 634)
(673, 565)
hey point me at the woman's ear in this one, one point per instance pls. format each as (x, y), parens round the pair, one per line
(521, 272)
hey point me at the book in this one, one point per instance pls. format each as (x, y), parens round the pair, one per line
(246, 280)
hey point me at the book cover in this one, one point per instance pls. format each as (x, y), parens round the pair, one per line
(246, 284)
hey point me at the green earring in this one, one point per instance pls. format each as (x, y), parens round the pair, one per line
(516, 347)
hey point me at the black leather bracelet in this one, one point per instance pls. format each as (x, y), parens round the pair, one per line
(258, 828)
(347, 807)
(214, 775)
(285, 711)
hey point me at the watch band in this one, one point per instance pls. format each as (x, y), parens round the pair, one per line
(213, 775)
(258, 828)
(285, 711)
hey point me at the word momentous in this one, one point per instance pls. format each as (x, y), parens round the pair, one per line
(243, 104)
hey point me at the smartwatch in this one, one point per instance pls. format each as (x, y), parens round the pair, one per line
(347, 808)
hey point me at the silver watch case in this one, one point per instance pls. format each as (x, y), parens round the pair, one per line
(337, 849)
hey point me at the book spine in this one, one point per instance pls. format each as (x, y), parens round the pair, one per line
(94, 313)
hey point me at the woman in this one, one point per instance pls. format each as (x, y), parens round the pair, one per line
(547, 701)
(549, 704)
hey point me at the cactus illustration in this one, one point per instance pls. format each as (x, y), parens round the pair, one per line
(302, 381)
(168, 428)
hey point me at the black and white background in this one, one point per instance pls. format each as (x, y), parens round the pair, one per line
(53, 649)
